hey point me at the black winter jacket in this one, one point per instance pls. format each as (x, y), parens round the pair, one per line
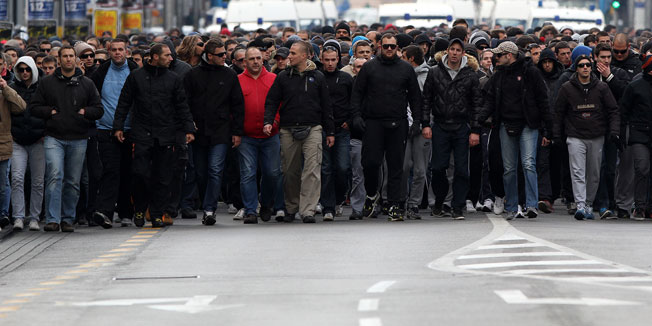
(159, 106)
(383, 88)
(302, 99)
(67, 96)
(533, 92)
(636, 108)
(631, 65)
(617, 83)
(26, 129)
(552, 78)
(216, 103)
(340, 86)
(585, 114)
(452, 101)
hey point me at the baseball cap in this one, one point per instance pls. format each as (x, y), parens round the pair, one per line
(507, 46)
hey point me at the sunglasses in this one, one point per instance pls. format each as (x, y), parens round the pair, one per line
(583, 65)
(86, 56)
(498, 55)
(620, 51)
(22, 70)
(46, 50)
(200, 44)
(221, 54)
(390, 46)
(239, 60)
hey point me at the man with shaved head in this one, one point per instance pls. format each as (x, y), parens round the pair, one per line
(624, 58)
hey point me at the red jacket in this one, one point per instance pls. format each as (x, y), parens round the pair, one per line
(255, 93)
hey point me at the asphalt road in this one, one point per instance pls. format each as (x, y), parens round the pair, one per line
(482, 271)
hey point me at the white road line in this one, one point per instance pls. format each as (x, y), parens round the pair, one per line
(509, 237)
(569, 270)
(370, 322)
(512, 246)
(517, 297)
(530, 263)
(380, 287)
(368, 304)
(623, 279)
(517, 254)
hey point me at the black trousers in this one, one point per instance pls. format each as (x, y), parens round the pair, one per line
(381, 139)
(115, 177)
(543, 171)
(153, 167)
(176, 184)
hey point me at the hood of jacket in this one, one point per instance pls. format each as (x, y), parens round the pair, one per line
(78, 74)
(422, 69)
(574, 79)
(471, 61)
(310, 67)
(558, 68)
(31, 64)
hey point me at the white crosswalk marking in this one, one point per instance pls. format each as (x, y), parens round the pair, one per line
(507, 251)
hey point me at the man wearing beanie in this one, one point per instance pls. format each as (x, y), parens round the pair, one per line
(342, 30)
(517, 99)
(86, 54)
(636, 105)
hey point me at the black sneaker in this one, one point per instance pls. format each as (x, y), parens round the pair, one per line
(187, 213)
(435, 211)
(384, 209)
(101, 219)
(572, 208)
(65, 227)
(395, 214)
(531, 213)
(308, 219)
(622, 213)
(355, 216)
(265, 214)
(157, 222)
(288, 218)
(446, 211)
(369, 208)
(4, 221)
(458, 214)
(139, 219)
(251, 219)
(413, 213)
(209, 218)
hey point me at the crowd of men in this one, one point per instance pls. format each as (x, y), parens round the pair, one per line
(291, 124)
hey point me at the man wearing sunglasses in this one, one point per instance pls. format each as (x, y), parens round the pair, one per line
(45, 46)
(624, 58)
(518, 102)
(217, 106)
(586, 111)
(381, 93)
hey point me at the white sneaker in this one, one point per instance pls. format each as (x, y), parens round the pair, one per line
(33, 225)
(318, 209)
(469, 207)
(239, 215)
(232, 209)
(328, 217)
(478, 207)
(18, 224)
(499, 206)
(519, 212)
(280, 213)
(488, 205)
(339, 210)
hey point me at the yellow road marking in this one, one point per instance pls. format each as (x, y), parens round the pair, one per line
(3, 315)
(130, 244)
(147, 232)
(77, 271)
(27, 294)
(9, 308)
(112, 255)
(66, 277)
(12, 301)
(52, 283)
(137, 240)
(102, 260)
(122, 250)
(142, 236)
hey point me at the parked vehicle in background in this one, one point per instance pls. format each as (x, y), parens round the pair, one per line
(426, 14)
(254, 14)
(576, 18)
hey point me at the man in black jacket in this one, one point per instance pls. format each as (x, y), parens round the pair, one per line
(217, 108)
(624, 58)
(336, 161)
(636, 106)
(452, 94)
(381, 93)
(300, 96)
(114, 157)
(155, 97)
(68, 102)
(518, 100)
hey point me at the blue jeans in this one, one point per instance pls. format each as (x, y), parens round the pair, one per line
(209, 164)
(266, 153)
(524, 145)
(64, 161)
(5, 188)
(335, 170)
(443, 143)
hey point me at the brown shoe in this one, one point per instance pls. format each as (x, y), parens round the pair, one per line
(51, 227)
(167, 219)
(65, 227)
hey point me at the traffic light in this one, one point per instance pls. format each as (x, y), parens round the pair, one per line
(615, 4)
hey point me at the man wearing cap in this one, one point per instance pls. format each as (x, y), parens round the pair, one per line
(585, 111)
(518, 102)
(636, 106)
(452, 94)
(381, 93)
(281, 58)
(86, 54)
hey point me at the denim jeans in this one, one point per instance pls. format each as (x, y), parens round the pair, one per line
(266, 153)
(358, 192)
(35, 155)
(443, 144)
(524, 146)
(335, 169)
(209, 165)
(64, 160)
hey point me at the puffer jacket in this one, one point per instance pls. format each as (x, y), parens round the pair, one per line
(301, 99)
(159, 106)
(452, 101)
(10, 103)
(636, 108)
(585, 114)
(27, 129)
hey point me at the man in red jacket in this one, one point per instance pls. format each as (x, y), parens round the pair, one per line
(257, 147)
